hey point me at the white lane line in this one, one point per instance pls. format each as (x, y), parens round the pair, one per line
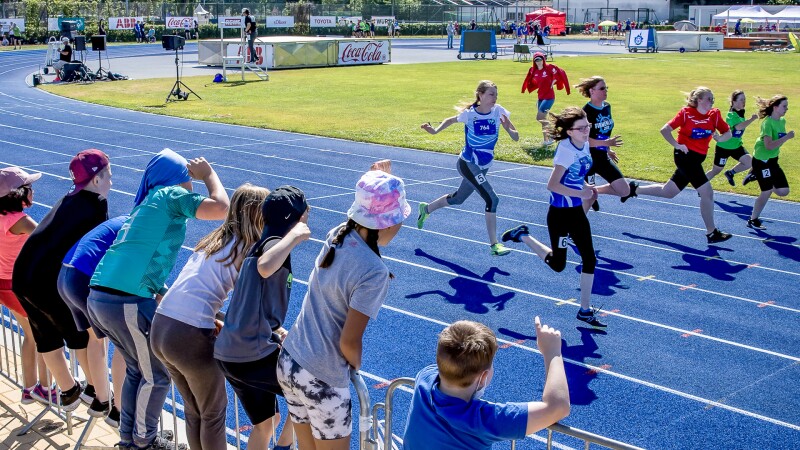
(349, 192)
(455, 209)
(399, 161)
(578, 363)
(602, 370)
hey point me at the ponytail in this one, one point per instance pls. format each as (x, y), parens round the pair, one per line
(372, 243)
(337, 242)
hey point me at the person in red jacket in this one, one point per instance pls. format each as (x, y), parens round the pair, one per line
(697, 123)
(543, 77)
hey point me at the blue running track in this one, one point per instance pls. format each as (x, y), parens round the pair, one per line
(701, 350)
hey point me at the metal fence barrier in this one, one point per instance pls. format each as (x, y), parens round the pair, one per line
(373, 434)
(375, 441)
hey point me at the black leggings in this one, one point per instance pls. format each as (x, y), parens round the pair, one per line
(573, 222)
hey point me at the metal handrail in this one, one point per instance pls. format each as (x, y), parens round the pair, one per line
(585, 436)
(364, 412)
(390, 404)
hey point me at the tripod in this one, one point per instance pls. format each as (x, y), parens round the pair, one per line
(176, 88)
(101, 73)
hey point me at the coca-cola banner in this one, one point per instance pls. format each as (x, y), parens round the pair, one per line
(323, 21)
(363, 52)
(176, 23)
(382, 21)
(230, 22)
(123, 23)
(280, 21)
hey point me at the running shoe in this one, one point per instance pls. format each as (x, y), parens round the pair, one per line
(590, 318)
(548, 142)
(749, 178)
(632, 193)
(729, 175)
(112, 418)
(515, 234)
(71, 398)
(41, 394)
(98, 408)
(88, 394)
(499, 249)
(423, 214)
(718, 236)
(159, 443)
(755, 224)
(27, 399)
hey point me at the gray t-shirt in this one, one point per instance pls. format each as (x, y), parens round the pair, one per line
(258, 306)
(357, 279)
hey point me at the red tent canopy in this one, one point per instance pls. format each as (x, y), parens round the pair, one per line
(548, 16)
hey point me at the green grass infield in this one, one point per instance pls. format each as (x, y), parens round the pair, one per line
(386, 104)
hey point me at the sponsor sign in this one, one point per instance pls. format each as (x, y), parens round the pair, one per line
(263, 53)
(382, 21)
(7, 24)
(230, 22)
(54, 23)
(363, 52)
(323, 21)
(345, 20)
(177, 23)
(280, 21)
(711, 42)
(123, 23)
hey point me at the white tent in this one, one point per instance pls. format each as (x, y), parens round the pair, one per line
(740, 12)
(789, 14)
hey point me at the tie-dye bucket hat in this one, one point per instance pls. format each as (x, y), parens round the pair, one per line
(380, 201)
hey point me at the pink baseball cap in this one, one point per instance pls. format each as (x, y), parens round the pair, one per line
(12, 178)
(380, 201)
(84, 167)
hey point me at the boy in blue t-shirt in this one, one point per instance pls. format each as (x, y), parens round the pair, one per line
(447, 411)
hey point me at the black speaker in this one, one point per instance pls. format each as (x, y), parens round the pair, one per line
(68, 29)
(80, 43)
(98, 43)
(172, 42)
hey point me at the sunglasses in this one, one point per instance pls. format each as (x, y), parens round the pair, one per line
(604, 88)
(583, 128)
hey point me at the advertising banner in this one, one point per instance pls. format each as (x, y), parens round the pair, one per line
(123, 23)
(323, 21)
(382, 21)
(8, 24)
(345, 20)
(54, 23)
(230, 22)
(711, 42)
(280, 21)
(363, 52)
(177, 23)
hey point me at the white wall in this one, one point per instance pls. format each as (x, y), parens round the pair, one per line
(576, 9)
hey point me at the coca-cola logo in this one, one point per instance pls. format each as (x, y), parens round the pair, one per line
(369, 53)
(176, 22)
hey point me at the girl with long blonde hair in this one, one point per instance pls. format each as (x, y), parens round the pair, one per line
(185, 326)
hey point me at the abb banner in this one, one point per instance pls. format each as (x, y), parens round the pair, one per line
(177, 23)
(230, 22)
(323, 21)
(363, 52)
(280, 21)
(123, 23)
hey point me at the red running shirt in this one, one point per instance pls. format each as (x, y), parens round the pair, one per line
(544, 81)
(695, 129)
